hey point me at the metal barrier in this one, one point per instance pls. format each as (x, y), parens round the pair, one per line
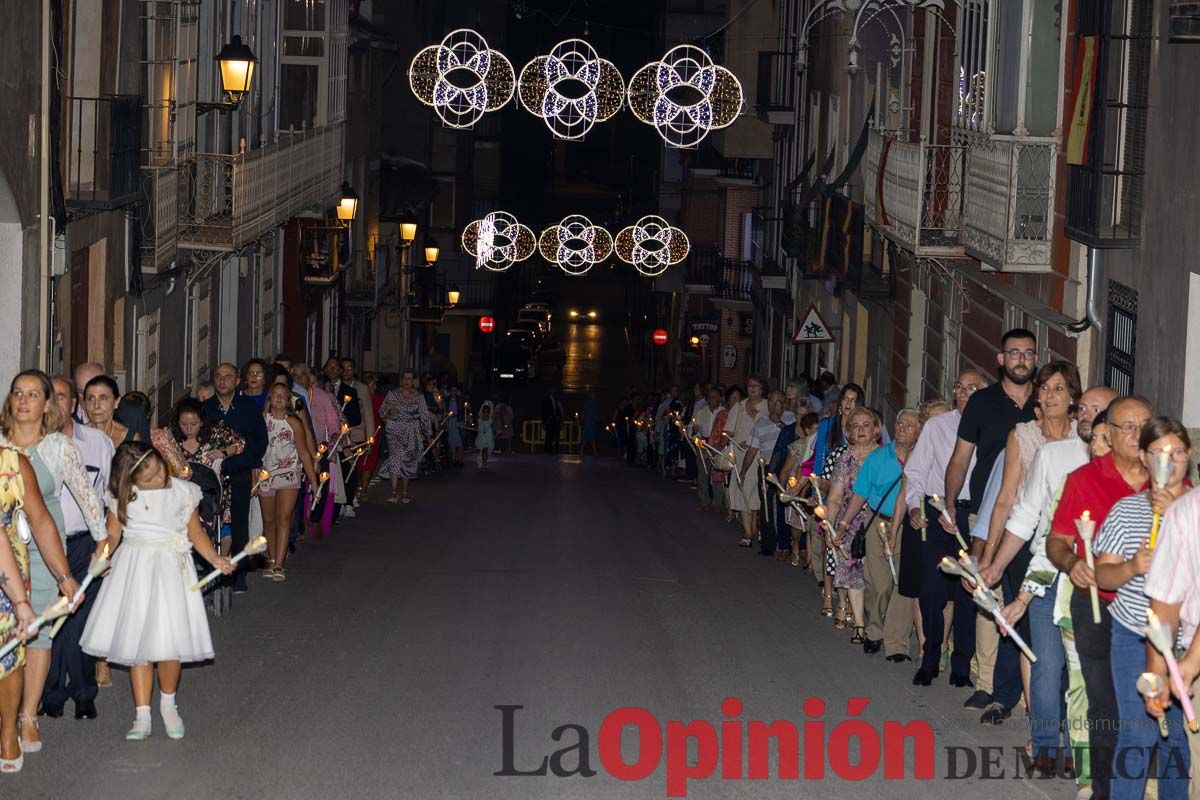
(533, 434)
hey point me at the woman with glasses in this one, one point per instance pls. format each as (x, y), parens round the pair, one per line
(254, 381)
(862, 432)
(1123, 556)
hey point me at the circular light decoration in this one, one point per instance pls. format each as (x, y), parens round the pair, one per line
(498, 241)
(571, 89)
(575, 244)
(684, 95)
(651, 245)
(461, 78)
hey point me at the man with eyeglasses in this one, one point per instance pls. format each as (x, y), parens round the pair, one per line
(925, 476)
(983, 432)
(1096, 487)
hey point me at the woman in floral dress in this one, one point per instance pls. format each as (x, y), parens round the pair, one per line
(862, 431)
(409, 425)
(283, 465)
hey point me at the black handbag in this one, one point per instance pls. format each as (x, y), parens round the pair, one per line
(858, 545)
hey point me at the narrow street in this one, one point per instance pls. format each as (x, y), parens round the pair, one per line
(571, 589)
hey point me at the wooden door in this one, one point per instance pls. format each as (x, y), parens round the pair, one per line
(79, 308)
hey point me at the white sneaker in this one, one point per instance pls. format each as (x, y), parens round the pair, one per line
(348, 511)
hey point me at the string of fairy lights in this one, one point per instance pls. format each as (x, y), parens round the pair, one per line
(683, 95)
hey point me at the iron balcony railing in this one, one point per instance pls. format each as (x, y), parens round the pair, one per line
(916, 192)
(159, 217)
(1009, 221)
(737, 279)
(228, 201)
(703, 268)
(103, 138)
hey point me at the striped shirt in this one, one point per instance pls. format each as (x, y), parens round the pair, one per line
(1174, 575)
(1124, 530)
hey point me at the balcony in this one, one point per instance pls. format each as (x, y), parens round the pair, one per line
(915, 193)
(773, 97)
(737, 280)
(741, 171)
(229, 201)
(160, 217)
(1010, 202)
(477, 294)
(702, 271)
(103, 141)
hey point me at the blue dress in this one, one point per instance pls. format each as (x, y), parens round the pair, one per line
(454, 412)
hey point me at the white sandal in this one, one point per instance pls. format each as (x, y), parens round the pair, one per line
(11, 766)
(30, 747)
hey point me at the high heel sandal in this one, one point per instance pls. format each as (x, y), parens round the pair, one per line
(827, 606)
(29, 747)
(843, 618)
(859, 635)
(11, 766)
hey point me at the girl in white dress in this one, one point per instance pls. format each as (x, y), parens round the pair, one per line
(146, 614)
(485, 440)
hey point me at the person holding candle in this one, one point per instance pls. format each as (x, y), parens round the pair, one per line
(484, 439)
(327, 421)
(361, 400)
(409, 423)
(707, 490)
(284, 463)
(370, 460)
(1096, 487)
(862, 432)
(1123, 557)
(717, 437)
(145, 615)
(743, 493)
(73, 672)
(244, 416)
(877, 486)
(32, 419)
(19, 493)
(925, 474)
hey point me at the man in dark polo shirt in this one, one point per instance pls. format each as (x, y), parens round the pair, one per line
(244, 416)
(982, 432)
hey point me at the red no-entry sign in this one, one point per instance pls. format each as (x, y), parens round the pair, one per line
(487, 324)
(659, 337)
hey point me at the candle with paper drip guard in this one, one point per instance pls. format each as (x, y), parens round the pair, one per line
(253, 548)
(323, 479)
(823, 521)
(432, 442)
(95, 570)
(260, 477)
(698, 445)
(1150, 687)
(887, 549)
(345, 401)
(56, 609)
(937, 502)
(1087, 531)
(1160, 636)
(967, 568)
(762, 489)
(1160, 475)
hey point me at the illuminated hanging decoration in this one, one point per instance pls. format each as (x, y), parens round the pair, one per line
(684, 95)
(651, 245)
(571, 89)
(575, 244)
(461, 78)
(498, 241)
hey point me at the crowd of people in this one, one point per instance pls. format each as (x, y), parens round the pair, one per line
(93, 496)
(1020, 537)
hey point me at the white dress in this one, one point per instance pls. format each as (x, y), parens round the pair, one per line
(145, 610)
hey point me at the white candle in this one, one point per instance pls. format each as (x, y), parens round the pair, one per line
(53, 611)
(254, 547)
(1087, 530)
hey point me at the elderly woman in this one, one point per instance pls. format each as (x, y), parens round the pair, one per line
(409, 424)
(100, 398)
(743, 495)
(862, 431)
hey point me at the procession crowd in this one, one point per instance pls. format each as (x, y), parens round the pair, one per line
(1038, 542)
(108, 521)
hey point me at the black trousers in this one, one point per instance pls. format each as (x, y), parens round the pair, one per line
(239, 512)
(72, 671)
(1094, 645)
(776, 534)
(937, 589)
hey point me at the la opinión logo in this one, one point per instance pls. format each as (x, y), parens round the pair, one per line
(732, 748)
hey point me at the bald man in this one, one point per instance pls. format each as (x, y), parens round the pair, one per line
(83, 374)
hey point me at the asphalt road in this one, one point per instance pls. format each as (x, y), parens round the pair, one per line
(571, 589)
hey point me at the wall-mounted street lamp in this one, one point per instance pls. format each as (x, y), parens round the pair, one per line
(236, 62)
(453, 295)
(347, 207)
(408, 230)
(432, 251)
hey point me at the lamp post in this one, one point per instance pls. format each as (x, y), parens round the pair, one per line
(236, 62)
(453, 295)
(408, 231)
(432, 251)
(347, 207)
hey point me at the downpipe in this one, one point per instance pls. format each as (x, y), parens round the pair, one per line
(1091, 318)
